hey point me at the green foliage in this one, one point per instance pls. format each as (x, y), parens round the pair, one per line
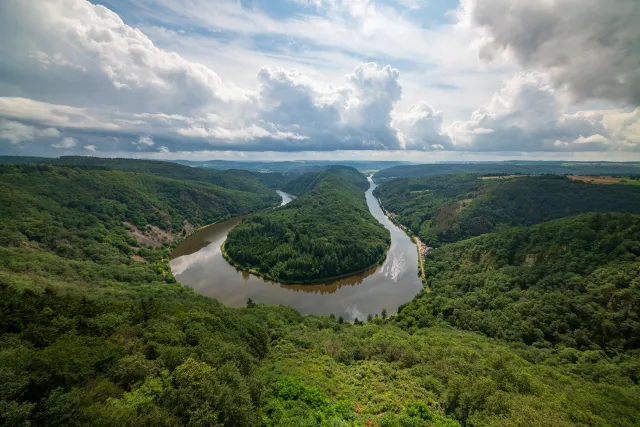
(78, 213)
(571, 282)
(90, 337)
(328, 231)
(232, 179)
(383, 375)
(449, 208)
(511, 168)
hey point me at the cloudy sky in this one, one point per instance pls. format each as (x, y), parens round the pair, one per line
(422, 80)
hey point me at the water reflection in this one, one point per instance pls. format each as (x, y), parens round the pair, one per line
(198, 263)
(286, 198)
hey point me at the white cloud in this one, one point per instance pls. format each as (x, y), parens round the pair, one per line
(16, 132)
(354, 115)
(86, 52)
(77, 67)
(527, 115)
(144, 140)
(421, 128)
(66, 143)
(589, 47)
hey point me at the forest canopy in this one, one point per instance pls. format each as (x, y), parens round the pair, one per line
(448, 208)
(511, 168)
(90, 336)
(573, 282)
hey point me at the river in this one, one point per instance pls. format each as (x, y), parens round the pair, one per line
(197, 262)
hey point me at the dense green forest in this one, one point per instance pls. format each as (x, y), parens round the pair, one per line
(89, 336)
(295, 167)
(511, 168)
(78, 210)
(572, 283)
(448, 208)
(326, 232)
(233, 179)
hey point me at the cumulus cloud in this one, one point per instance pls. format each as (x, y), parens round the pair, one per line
(66, 143)
(421, 128)
(87, 53)
(144, 140)
(16, 132)
(589, 47)
(527, 115)
(74, 68)
(354, 115)
(115, 82)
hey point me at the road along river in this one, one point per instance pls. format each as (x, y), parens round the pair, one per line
(197, 262)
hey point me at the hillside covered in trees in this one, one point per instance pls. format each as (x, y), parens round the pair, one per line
(78, 209)
(511, 168)
(326, 232)
(572, 283)
(91, 336)
(448, 208)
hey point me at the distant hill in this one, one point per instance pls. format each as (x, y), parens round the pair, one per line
(69, 209)
(512, 168)
(233, 179)
(296, 166)
(447, 208)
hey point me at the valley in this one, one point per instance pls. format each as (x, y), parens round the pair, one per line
(118, 308)
(198, 263)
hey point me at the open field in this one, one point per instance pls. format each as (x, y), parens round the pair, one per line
(604, 179)
(504, 176)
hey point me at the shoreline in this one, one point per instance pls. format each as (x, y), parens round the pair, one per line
(180, 239)
(415, 239)
(321, 281)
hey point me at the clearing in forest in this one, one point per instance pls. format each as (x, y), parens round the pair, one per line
(598, 179)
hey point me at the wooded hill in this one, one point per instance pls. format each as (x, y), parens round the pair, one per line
(64, 206)
(572, 283)
(511, 168)
(89, 336)
(448, 208)
(326, 232)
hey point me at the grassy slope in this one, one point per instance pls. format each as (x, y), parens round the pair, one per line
(326, 232)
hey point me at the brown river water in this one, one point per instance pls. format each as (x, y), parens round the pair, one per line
(197, 262)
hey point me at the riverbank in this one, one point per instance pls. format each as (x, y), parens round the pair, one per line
(420, 246)
(323, 280)
(180, 238)
(201, 265)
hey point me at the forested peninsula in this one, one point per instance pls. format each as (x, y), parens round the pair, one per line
(325, 233)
